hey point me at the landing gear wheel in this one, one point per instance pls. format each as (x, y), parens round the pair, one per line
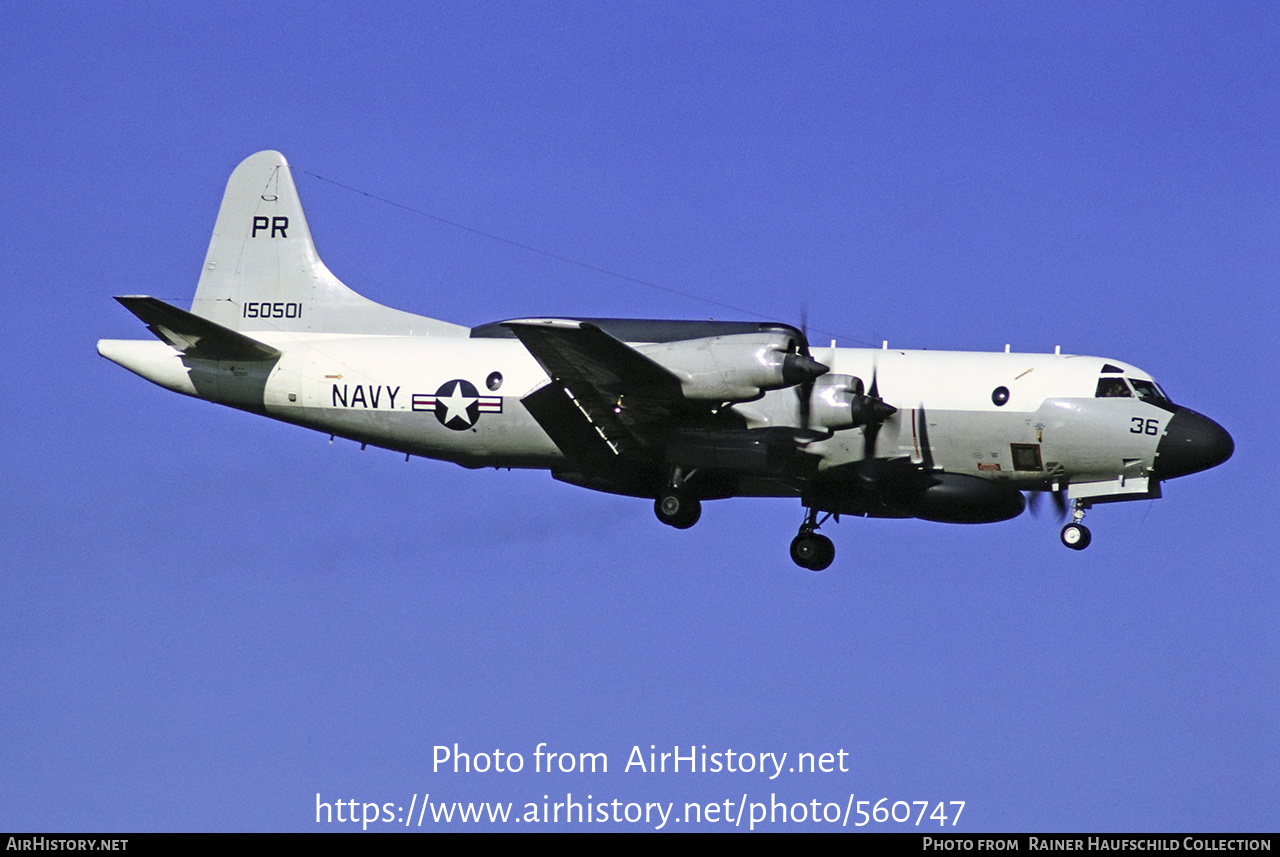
(677, 509)
(812, 551)
(1076, 536)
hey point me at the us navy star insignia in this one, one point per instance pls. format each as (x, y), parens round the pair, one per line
(457, 404)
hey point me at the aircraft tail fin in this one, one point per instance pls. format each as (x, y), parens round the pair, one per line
(262, 271)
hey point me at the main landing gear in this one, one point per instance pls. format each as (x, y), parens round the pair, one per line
(675, 505)
(677, 508)
(809, 549)
(1076, 535)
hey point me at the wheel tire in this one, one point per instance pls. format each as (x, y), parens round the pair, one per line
(812, 551)
(677, 509)
(827, 556)
(1076, 536)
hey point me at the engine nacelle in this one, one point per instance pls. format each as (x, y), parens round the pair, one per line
(833, 404)
(737, 367)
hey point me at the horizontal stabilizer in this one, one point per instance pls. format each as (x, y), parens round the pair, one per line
(193, 335)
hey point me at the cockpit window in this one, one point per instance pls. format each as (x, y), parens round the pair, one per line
(1148, 392)
(1112, 388)
(1109, 369)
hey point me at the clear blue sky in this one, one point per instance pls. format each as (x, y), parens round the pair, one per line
(210, 617)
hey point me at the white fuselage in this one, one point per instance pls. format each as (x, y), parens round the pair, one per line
(676, 411)
(383, 390)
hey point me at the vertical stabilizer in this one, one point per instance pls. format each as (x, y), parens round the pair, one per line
(262, 272)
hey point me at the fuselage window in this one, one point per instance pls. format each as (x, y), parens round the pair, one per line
(1151, 393)
(1112, 388)
(1026, 456)
(1148, 392)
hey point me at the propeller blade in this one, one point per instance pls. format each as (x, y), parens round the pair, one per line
(1059, 502)
(926, 452)
(804, 329)
(871, 411)
(802, 370)
(805, 393)
(871, 427)
(881, 409)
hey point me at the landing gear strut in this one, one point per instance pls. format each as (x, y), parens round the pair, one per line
(809, 549)
(1076, 535)
(675, 505)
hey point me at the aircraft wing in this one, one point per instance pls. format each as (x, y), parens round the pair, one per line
(579, 352)
(193, 335)
(606, 400)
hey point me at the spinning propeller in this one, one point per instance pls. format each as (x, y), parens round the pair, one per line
(802, 362)
(870, 411)
(1059, 502)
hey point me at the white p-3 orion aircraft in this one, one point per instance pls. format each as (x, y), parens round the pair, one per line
(674, 411)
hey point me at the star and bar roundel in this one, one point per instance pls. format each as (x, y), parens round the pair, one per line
(457, 404)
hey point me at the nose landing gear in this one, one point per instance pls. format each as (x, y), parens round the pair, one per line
(1076, 535)
(809, 549)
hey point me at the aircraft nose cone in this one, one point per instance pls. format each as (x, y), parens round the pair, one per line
(1191, 443)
